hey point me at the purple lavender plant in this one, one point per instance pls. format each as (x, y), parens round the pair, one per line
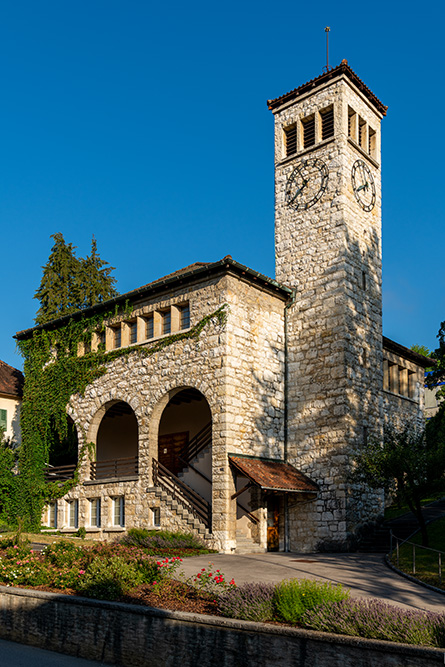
(249, 602)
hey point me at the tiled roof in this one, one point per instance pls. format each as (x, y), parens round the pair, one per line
(343, 68)
(191, 273)
(273, 475)
(419, 359)
(11, 380)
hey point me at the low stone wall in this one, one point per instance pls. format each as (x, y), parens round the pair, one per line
(134, 636)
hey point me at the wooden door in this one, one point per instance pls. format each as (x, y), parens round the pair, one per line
(273, 523)
(169, 448)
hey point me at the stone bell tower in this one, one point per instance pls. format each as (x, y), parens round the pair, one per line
(328, 248)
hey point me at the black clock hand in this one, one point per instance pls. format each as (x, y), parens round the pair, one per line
(301, 189)
(363, 187)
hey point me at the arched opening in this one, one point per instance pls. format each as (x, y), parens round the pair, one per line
(62, 452)
(185, 440)
(116, 443)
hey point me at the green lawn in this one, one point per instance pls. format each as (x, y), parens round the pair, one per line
(426, 562)
(394, 511)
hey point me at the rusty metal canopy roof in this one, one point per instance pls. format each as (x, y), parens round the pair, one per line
(272, 474)
(344, 69)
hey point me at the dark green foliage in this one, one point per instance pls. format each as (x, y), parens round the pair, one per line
(109, 579)
(407, 463)
(69, 284)
(438, 374)
(294, 597)
(9, 500)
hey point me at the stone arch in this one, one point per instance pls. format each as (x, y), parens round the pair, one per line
(182, 422)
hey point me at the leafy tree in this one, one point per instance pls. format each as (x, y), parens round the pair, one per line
(69, 284)
(8, 479)
(438, 374)
(409, 463)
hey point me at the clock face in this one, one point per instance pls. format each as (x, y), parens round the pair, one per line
(306, 184)
(363, 185)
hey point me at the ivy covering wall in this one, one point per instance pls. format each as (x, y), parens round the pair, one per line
(53, 373)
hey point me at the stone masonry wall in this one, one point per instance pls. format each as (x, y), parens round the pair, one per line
(227, 364)
(331, 254)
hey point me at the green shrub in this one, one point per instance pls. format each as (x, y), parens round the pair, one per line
(159, 541)
(108, 579)
(294, 597)
(63, 553)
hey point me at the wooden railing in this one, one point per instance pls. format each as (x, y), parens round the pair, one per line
(182, 493)
(199, 442)
(114, 468)
(59, 473)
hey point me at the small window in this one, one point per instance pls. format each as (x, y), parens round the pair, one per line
(411, 384)
(327, 123)
(166, 322)
(73, 513)
(362, 133)
(87, 346)
(149, 327)
(184, 316)
(95, 511)
(102, 338)
(308, 131)
(52, 514)
(3, 419)
(117, 336)
(119, 511)
(156, 512)
(290, 136)
(133, 332)
(352, 124)
(371, 142)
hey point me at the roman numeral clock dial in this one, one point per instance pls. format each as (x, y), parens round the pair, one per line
(306, 184)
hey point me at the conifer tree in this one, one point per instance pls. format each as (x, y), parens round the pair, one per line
(69, 283)
(96, 282)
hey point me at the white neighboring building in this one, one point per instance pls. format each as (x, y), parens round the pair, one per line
(11, 388)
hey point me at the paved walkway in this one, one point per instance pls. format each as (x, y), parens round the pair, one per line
(366, 575)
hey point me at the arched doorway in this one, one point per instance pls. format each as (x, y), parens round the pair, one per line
(116, 443)
(185, 440)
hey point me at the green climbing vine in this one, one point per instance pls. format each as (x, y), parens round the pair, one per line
(53, 373)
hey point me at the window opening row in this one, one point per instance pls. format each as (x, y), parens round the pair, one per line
(361, 133)
(399, 380)
(309, 130)
(94, 518)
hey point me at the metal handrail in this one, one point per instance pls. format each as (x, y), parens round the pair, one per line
(59, 473)
(186, 496)
(199, 442)
(400, 542)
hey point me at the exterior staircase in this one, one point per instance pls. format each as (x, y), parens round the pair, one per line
(184, 513)
(246, 545)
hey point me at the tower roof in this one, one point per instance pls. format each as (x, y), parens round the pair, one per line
(343, 68)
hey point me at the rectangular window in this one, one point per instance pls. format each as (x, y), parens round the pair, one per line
(119, 511)
(184, 316)
(290, 136)
(87, 346)
(3, 419)
(327, 123)
(362, 133)
(117, 336)
(371, 142)
(95, 512)
(133, 332)
(411, 384)
(166, 322)
(52, 514)
(73, 513)
(156, 511)
(308, 131)
(102, 338)
(352, 124)
(149, 327)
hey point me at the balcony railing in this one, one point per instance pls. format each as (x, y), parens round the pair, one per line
(59, 473)
(114, 468)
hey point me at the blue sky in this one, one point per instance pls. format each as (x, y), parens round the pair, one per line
(146, 125)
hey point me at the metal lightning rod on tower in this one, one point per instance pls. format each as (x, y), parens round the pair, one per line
(327, 31)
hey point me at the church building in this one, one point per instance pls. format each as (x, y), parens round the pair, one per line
(240, 420)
